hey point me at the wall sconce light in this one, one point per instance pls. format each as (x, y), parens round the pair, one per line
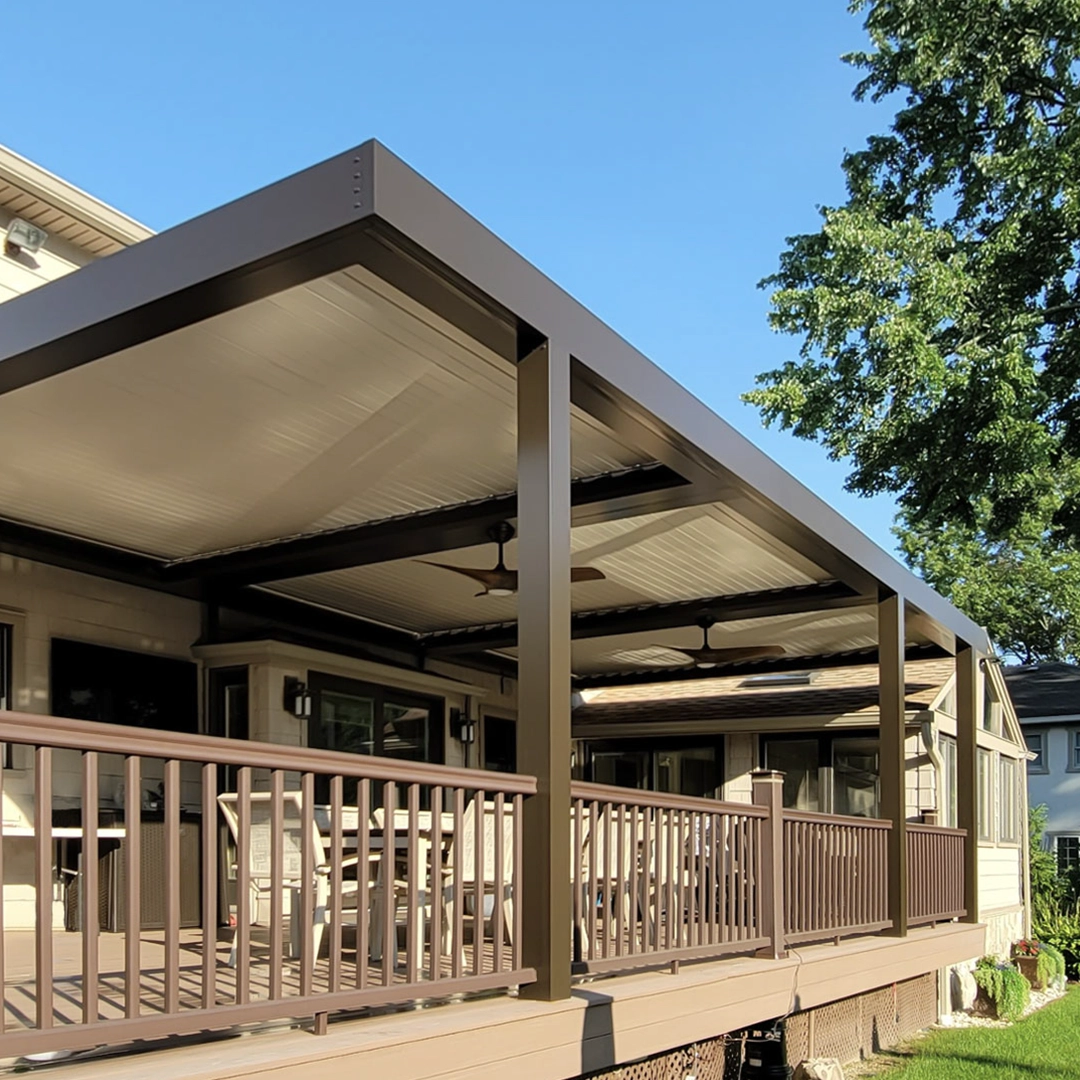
(22, 236)
(297, 698)
(463, 728)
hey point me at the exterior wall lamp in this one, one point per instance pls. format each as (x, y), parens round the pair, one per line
(22, 236)
(297, 697)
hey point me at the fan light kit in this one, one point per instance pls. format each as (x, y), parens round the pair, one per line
(708, 657)
(500, 581)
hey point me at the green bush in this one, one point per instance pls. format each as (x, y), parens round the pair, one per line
(1050, 965)
(1057, 923)
(1004, 986)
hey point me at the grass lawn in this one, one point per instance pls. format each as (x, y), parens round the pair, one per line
(1044, 1046)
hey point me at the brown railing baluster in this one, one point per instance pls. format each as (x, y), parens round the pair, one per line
(209, 884)
(133, 872)
(608, 872)
(458, 935)
(172, 885)
(435, 885)
(43, 886)
(243, 885)
(578, 885)
(307, 884)
(478, 884)
(500, 885)
(363, 880)
(590, 895)
(414, 879)
(519, 862)
(88, 889)
(389, 876)
(277, 880)
(337, 844)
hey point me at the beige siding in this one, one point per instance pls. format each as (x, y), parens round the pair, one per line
(921, 778)
(740, 758)
(999, 877)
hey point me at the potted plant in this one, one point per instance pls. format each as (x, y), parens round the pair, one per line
(1002, 991)
(1040, 963)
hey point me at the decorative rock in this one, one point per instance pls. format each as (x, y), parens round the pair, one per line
(820, 1069)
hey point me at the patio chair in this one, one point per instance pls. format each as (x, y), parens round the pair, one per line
(462, 853)
(259, 860)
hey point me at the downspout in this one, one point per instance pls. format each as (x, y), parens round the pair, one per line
(928, 731)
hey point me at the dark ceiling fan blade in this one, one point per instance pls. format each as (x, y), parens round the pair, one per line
(586, 573)
(490, 579)
(709, 657)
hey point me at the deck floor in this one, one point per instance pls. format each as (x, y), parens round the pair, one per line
(20, 985)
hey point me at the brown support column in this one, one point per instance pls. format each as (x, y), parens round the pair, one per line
(893, 765)
(544, 663)
(967, 774)
(768, 787)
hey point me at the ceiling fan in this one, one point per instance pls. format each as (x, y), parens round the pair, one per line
(708, 657)
(500, 581)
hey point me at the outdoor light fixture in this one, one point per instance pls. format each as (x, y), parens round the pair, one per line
(463, 727)
(22, 236)
(297, 698)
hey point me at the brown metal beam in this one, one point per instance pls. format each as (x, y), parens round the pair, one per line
(403, 536)
(850, 658)
(967, 771)
(892, 735)
(544, 668)
(826, 596)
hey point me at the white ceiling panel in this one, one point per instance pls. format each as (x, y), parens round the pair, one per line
(655, 558)
(332, 403)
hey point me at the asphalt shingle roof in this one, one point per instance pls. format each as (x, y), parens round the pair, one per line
(1044, 689)
(833, 691)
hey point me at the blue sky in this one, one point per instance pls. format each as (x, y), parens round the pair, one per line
(650, 158)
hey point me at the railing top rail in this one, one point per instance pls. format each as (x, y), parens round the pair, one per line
(608, 793)
(64, 733)
(935, 830)
(837, 819)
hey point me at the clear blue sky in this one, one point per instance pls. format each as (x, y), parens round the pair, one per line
(651, 158)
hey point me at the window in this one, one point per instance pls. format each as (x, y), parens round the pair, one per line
(799, 761)
(1008, 801)
(948, 811)
(991, 715)
(115, 686)
(500, 744)
(1036, 743)
(1074, 749)
(986, 795)
(856, 774)
(677, 766)
(1068, 853)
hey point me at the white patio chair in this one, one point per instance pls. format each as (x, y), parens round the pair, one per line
(260, 871)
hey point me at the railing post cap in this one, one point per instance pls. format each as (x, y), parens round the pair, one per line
(767, 776)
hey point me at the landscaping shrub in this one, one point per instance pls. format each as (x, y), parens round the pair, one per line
(1004, 986)
(1057, 923)
(1049, 962)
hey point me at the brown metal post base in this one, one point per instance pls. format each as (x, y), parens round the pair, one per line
(322, 1023)
(769, 953)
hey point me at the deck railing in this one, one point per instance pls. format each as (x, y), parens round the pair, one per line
(835, 876)
(660, 878)
(318, 840)
(935, 884)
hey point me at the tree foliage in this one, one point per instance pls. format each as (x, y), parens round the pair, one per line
(939, 307)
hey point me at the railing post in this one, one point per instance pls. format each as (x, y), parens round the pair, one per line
(543, 415)
(893, 733)
(768, 786)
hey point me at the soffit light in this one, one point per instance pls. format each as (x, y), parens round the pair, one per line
(22, 236)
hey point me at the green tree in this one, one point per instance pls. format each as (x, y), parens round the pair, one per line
(939, 306)
(1026, 591)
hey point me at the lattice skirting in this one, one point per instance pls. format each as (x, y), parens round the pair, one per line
(850, 1030)
(856, 1027)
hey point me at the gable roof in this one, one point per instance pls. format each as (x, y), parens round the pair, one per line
(1044, 689)
(834, 691)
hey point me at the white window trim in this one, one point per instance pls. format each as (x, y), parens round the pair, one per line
(1072, 765)
(1032, 768)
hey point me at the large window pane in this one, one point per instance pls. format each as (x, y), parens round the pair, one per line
(856, 776)
(500, 744)
(344, 722)
(797, 759)
(1008, 825)
(623, 768)
(986, 795)
(948, 811)
(406, 731)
